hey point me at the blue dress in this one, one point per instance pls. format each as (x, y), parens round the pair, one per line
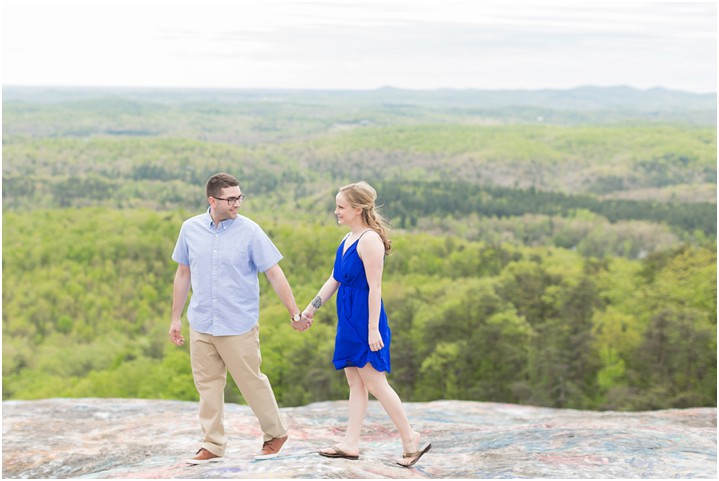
(351, 345)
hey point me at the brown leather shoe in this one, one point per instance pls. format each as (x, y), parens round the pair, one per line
(271, 448)
(203, 456)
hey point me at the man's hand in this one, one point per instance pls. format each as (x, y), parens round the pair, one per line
(176, 333)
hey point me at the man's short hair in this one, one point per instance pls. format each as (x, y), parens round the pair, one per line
(218, 182)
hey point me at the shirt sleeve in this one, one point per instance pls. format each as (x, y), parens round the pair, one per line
(263, 252)
(181, 254)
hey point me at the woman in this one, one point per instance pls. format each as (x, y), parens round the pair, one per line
(363, 335)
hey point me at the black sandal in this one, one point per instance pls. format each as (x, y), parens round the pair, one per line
(338, 454)
(415, 456)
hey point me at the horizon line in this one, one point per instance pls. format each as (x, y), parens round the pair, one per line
(338, 89)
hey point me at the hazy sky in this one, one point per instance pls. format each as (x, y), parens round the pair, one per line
(360, 44)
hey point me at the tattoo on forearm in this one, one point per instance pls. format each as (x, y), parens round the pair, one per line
(317, 302)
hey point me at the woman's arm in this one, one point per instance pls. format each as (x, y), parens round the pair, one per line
(326, 292)
(371, 251)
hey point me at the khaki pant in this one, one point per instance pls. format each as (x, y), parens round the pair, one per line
(211, 357)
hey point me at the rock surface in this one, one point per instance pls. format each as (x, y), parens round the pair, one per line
(127, 438)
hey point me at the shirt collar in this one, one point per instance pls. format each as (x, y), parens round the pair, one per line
(223, 224)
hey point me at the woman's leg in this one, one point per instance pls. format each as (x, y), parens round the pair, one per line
(376, 383)
(357, 410)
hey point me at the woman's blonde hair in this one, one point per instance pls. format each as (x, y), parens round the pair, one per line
(361, 195)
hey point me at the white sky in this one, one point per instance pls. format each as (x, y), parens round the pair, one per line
(360, 44)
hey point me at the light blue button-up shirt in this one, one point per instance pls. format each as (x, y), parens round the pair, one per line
(224, 265)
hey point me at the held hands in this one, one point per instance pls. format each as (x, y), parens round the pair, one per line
(374, 339)
(304, 323)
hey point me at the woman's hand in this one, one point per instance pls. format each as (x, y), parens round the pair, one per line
(375, 340)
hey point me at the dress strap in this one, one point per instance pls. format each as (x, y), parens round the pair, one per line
(368, 230)
(356, 242)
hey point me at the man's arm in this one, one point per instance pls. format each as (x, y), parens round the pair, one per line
(180, 290)
(279, 282)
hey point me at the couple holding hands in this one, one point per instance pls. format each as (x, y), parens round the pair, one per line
(219, 255)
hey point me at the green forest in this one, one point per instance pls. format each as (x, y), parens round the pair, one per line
(553, 248)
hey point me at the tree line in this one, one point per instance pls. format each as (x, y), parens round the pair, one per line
(407, 201)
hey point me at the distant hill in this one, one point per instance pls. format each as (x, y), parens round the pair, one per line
(578, 105)
(115, 145)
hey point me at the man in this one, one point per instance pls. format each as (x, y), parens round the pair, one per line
(219, 254)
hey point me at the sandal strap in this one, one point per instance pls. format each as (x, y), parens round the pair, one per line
(338, 450)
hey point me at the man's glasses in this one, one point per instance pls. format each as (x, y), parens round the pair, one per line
(232, 200)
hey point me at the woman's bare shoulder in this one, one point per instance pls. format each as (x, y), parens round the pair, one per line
(370, 242)
(370, 236)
